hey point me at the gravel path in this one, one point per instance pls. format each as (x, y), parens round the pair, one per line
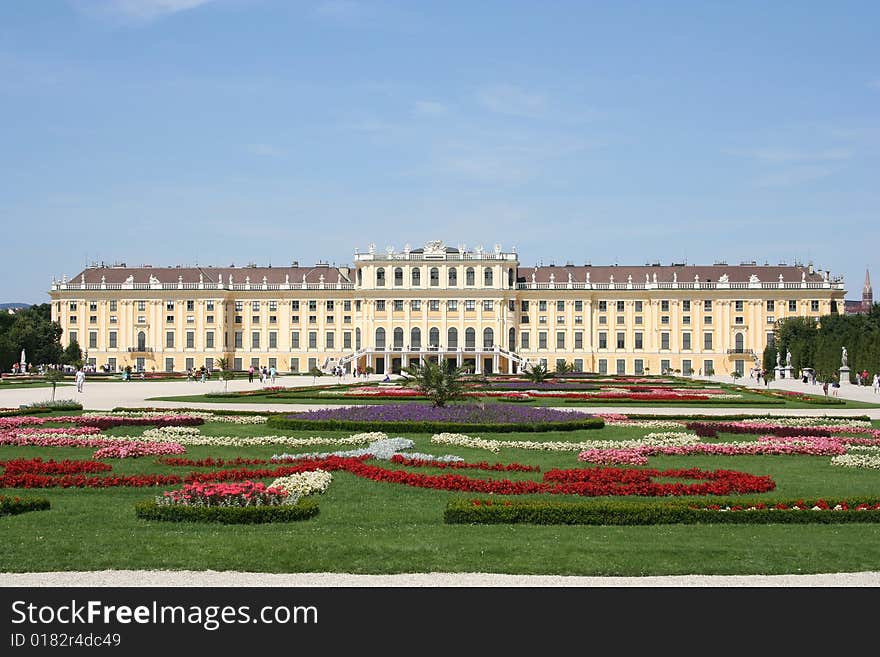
(212, 578)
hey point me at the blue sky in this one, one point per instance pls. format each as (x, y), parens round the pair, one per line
(234, 131)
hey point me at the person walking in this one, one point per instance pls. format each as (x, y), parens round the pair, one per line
(80, 379)
(204, 374)
(272, 373)
(825, 387)
(876, 383)
(251, 374)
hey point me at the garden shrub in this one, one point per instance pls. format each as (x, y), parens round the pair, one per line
(227, 515)
(10, 506)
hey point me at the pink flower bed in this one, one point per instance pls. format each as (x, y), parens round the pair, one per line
(128, 450)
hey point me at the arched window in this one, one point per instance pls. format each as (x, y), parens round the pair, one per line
(452, 338)
(738, 342)
(398, 276)
(380, 277)
(398, 338)
(415, 339)
(380, 338)
(453, 277)
(488, 338)
(435, 277)
(469, 276)
(357, 339)
(416, 277)
(360, 277)
(511, 339)
(510, 280)
(487, 277)
(142, 341)
(470, 339)
(434, 337)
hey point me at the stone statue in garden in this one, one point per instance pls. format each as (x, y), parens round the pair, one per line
(788, 358)
(843, 362)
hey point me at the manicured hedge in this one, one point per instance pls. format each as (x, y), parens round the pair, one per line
(624, 401)
(183, 411)
(10, 506)
(227, 515)
(281, 422)
(720, 418)
(26, 411)
(548, 512)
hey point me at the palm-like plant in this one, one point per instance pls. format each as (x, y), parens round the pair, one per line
(226, 372)
(438, 382)
(53, 377)
(537, 373)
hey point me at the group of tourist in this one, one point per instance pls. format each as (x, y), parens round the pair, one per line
(266, 374)
(197, 374)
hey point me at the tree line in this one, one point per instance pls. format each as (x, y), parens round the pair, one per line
(33, 330)
(818, 343)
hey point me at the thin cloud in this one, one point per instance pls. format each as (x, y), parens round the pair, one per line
(430, 107)
(794, 176)
(874, 84)
(512, 100)
(137, 10)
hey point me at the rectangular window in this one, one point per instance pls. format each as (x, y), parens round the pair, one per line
(190, 363)
(524, 306)
(330, 339)
(238, 319)
(560, 306)
(273, 306)
(738, 306)
(771, 319)
(638, 306)
(346, 319)
(273, 363)
(542, 339)
(470, 304)
(209, 306)
(792, 305)
(294, 306)
(707, 305)
(621, 366)
(273, 339)
(357, 305)
(524, 340)
(686, 306)
(639, 320)
(707, 319)
(578, 339)
(560, 339)
(190, 319)
(686, 368)
(169, 339)
(542, 319)
(209, 339)
(93, 319)
(142, 306)
(664, 340)
(112, 306)
(434, 305)
(93, 306)
(771, 305)
(169, 319)
(416, 305)
(313, 362)
(686, 340)
(664, 319)
(621, 340)
(639, 366)
(255, 340)
(560, 363)
(112, 342)
(209, 364)
(169, 364)
(239, 306)
(237, 364)
(346, 339)
(739, 320)
(190, 306)
(664, 306)
(313, 306)
(209, 319)
(346, 305)
(487, 304)
(665, 366)
(398, 305)
(578, 319)
(255, 319)
(708, 367)
(524, 319)
(313, 339)
(578, 364)
(294, 364)
(511, 305)
(255, 363)
(190, 340)
(542, 306)
(814, 306)
(621, 320)
(93, 339)
(603, 340)
(294, 340)
(239, 340)
(603, 319)
(72, 306)
(771, 338)
(452, 305)
(686, 319)
(273, 319)
(639, 340)
(578, 306)
(707, 341)
(603, 366)
(255, 306)
(169, 305)
(603, 306)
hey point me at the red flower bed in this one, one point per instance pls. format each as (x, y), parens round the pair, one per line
(712, 429)
(619, 481)
(29, 480)
(39, 466)
(483, 465)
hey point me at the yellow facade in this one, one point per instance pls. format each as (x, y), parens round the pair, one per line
(478, 309)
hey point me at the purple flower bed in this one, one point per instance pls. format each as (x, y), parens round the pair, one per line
(424, 417)
(546, 385)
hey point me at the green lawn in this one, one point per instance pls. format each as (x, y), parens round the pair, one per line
(372, 527)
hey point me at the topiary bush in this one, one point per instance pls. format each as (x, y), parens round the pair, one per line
(227, 515)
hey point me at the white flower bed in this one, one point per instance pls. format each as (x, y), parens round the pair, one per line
(169, 433)
(807, 422)
(304, 483)
(192, 436)
(857, 461)
(207, 417)
(863, 448)
(645, 424)
(381, 449)
(462, 440)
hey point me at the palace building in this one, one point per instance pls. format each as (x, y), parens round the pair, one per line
(476, 308)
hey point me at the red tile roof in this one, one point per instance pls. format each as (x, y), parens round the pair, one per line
(665, 273)
(273, 275)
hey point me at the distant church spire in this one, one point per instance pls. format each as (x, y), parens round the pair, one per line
(867, 293)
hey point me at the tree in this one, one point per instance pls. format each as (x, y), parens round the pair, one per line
(441, 384)
(562, 367)
(537, 373)
(735, 375)
(72, 354)
(227, 374)
(53, 376)
(315, 372)
(34, 331)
